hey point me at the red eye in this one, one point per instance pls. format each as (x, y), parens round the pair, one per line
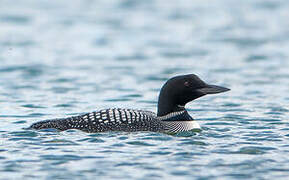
(187, 84)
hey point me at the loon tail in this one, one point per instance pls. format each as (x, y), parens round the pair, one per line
(59, 124)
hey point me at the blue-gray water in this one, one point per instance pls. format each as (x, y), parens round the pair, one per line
(61, 58)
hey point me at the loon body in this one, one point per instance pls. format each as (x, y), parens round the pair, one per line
(171, 117)
(128, 120)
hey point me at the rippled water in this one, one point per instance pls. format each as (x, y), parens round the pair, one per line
(61, 58)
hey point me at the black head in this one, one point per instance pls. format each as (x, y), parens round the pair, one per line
(180, 90)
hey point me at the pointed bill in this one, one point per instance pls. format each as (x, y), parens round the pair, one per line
(213, 89)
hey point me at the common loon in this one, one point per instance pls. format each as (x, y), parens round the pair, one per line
(171, 117)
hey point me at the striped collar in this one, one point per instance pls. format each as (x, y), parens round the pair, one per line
(176, 116)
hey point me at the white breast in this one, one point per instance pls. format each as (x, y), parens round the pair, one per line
(181, 126)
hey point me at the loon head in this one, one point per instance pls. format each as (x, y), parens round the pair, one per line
(180, 90)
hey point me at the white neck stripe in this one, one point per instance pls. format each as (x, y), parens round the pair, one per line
(170, 115)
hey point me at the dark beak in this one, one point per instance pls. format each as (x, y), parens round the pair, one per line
(213, 89)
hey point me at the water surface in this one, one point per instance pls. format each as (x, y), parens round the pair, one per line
(59, 58)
